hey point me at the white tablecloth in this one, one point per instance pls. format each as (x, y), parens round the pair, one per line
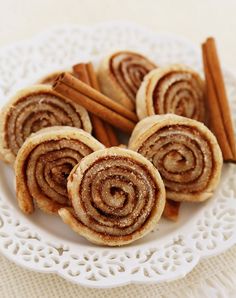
(195, 20)
(214, 277)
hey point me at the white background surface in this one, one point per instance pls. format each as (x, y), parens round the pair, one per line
(195, 20)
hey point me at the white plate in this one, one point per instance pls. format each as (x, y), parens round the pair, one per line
(43, 243)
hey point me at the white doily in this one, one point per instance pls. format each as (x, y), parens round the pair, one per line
(43, 243)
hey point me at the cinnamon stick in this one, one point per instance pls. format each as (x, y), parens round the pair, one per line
(95, 102)
(92, 76)
(80, 71)
(100, 130)
(220, 121)
(84, 74)
(69, 80)
(94, 83)
(111, 135)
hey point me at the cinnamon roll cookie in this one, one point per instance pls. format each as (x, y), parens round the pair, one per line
(184, 151)
(44, 162)
(121, 74)
(174, 89)
(34, 108)
(117, 197)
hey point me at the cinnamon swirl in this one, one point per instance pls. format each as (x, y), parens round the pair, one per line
(174, 89)
(184, 151)
(32, 109)
(121, 74)
(44, 162)
(117, 197)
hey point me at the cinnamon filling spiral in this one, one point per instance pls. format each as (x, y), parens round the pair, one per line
(176, 151)
(35, 112)
(174, 89)
(186, 154)
(44, 163)
(38, 109)
(49, 164)
(115, 196)
(129, 70)
(121, 196)
(178, 93)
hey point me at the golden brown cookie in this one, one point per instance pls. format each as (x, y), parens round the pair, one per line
(121, 74)
(185, 152)
(173, 89)
(32, 109)
(44, 162)
(117, 196)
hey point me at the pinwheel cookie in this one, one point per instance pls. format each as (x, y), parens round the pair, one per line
(44, 162)
(173, 89)
(121, 74)
(34, 108)
(117, 197)
(185, 152)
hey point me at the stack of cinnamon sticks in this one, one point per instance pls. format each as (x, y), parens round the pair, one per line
(220, 121)
(101, 130)
(94, 101)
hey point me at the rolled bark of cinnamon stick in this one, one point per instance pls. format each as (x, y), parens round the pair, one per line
(100, 98)
(100, 130)
(94, 83)
(95, 102)
(220, 121)
(81, 71)
(111, 135)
